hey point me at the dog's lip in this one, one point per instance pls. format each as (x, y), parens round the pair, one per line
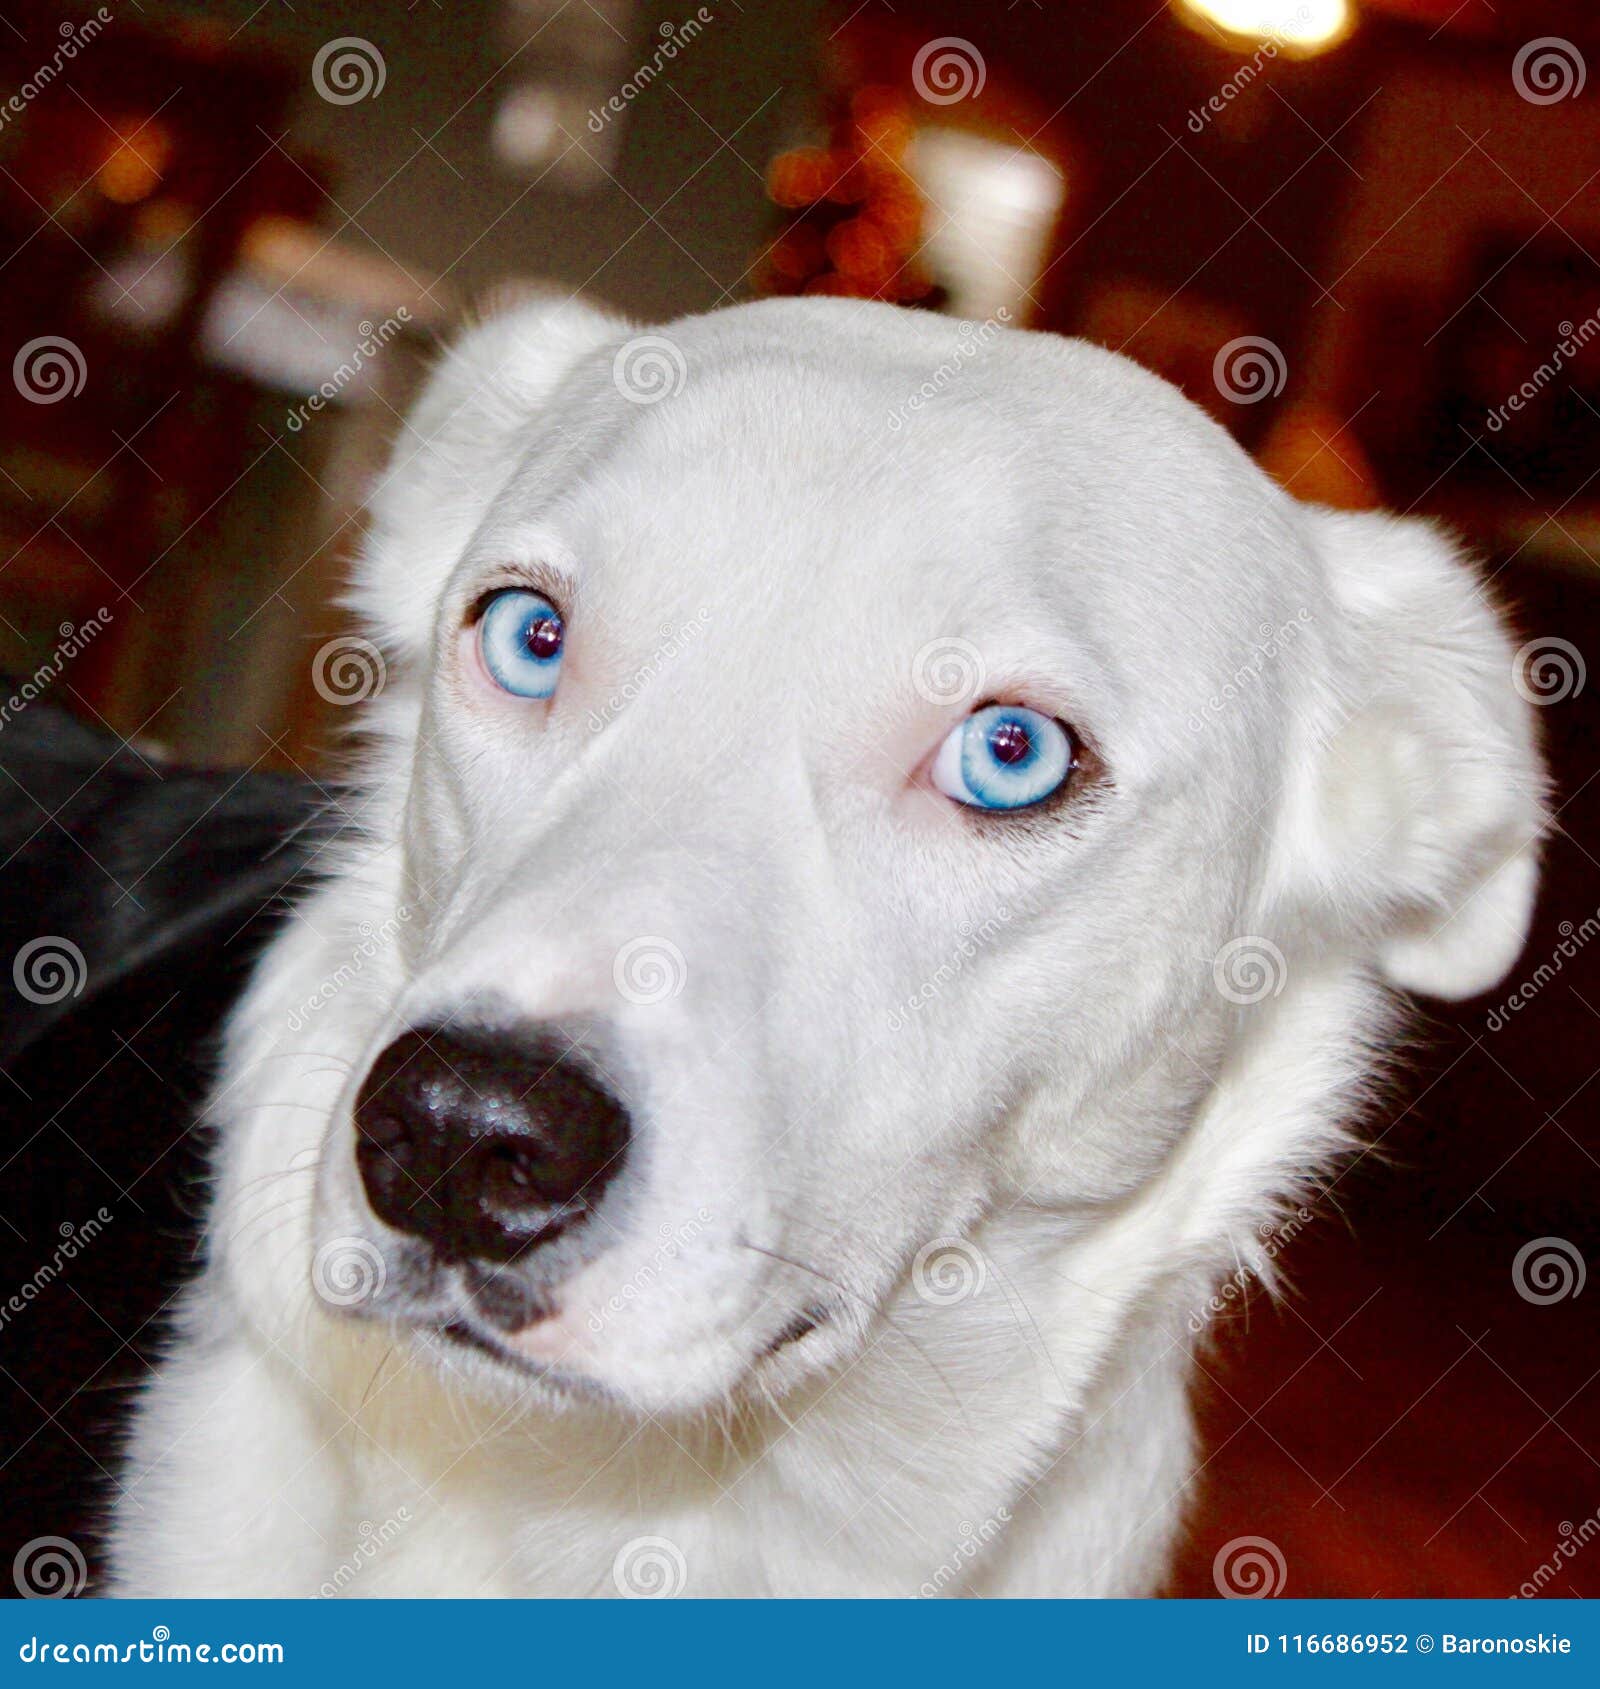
(802, 1325)
(460, 1332)
(579, 1388)
(574, 1385)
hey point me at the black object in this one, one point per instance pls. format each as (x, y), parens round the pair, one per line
(133, 898)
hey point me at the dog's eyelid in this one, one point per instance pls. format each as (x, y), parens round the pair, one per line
(547, 583)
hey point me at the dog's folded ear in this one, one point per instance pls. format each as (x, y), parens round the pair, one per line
(516, 346)
(1430, 790)
(463, 437)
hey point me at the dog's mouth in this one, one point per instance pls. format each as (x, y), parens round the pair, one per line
(482, 1320)
(487, 1326)
(457, 1336)
(448, 1339)
(801, 1326)
(458, 1331)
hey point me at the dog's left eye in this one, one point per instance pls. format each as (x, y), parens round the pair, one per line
(520, 635)
(1004, 757)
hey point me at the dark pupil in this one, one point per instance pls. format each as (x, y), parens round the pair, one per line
(543, 637)
(1010, 742)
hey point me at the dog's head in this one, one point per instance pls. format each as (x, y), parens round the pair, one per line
(862, 773)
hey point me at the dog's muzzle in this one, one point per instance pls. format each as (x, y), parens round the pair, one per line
(485, 1146)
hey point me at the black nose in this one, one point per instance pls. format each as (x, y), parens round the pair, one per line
(485, 1145)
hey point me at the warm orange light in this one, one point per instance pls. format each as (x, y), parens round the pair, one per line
(132, 171)
(803, 176)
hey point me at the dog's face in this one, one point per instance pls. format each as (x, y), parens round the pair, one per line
(846, 796)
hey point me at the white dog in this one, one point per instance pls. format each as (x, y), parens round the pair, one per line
(879, 869)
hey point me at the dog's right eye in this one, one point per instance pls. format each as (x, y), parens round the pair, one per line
(1004, 757)
(520, 636)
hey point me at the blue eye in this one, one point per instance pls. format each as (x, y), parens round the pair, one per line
(520, 635)
(1003, 757)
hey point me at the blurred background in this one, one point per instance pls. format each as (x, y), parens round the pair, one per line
(1363, 234)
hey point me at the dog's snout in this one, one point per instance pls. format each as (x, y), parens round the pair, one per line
(485, 1145)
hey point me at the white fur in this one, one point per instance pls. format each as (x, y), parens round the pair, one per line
(900, 1024)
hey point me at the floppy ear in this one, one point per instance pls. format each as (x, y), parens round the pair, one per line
(1431, 792)
(461, 440)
